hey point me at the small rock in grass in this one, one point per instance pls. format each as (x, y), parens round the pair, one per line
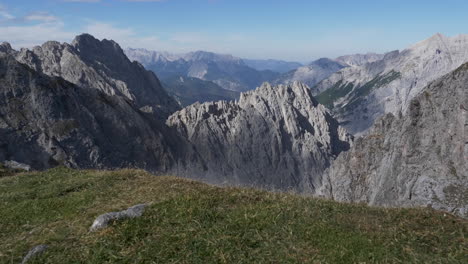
(103, 220)
(17, 165)
(34, 252)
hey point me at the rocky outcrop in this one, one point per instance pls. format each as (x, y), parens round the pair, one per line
(359, 95)
(102, 65)
(14, 165)
(273, 137)
(46, 121)
(416, 159)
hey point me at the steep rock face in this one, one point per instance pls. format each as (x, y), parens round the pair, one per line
(311, 74)
(359, 95)
(102, 65)
(274, 137)
(227, 71)
(417, 159)
(47, 121)
(5, 47)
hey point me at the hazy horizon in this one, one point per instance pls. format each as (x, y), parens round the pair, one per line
(285, 30)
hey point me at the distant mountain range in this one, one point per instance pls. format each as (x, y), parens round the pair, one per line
(188, 90)
(86, 105)
(321, 69)
(236, 74)
(229, 72)
(272, 65)
(311, 74)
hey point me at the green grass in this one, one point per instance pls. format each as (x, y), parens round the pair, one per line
(360, 93)
(356, 95)
(337, 91)
(7, 171)
(190, 222)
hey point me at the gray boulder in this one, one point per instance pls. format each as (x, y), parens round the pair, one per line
(11, 164)
(103, 220)
(37, 250)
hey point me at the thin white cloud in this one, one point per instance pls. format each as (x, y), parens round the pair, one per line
(41, 17)
(5, 14)
(31, 35)
(125, 37)
(105, 30)
(39, 27)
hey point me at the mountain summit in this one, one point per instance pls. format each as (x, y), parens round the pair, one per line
(274, 137)
(359, 95)
(102, 65)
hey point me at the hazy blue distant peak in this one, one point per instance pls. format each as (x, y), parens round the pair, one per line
(210, 56)
(327, 63)
(272, 65)
(150, 56)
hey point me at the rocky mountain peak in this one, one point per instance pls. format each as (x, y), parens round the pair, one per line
(104, 49)
(46, 121)
(88, 41)
(324, 62)
(274, 137)
(102, 65)
(359, 95)
(5, 47)
(293, 92)
(311, 74)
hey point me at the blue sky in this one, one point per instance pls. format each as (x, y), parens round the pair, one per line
(282, 29)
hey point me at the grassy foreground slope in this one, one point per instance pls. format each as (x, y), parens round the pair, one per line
(190, 222)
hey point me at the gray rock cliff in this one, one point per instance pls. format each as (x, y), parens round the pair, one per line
(47, 121)
(416, 159)
(359, 95)
(102, 65)
(273, 137)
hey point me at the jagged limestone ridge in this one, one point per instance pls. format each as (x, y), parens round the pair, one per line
(274, 137)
